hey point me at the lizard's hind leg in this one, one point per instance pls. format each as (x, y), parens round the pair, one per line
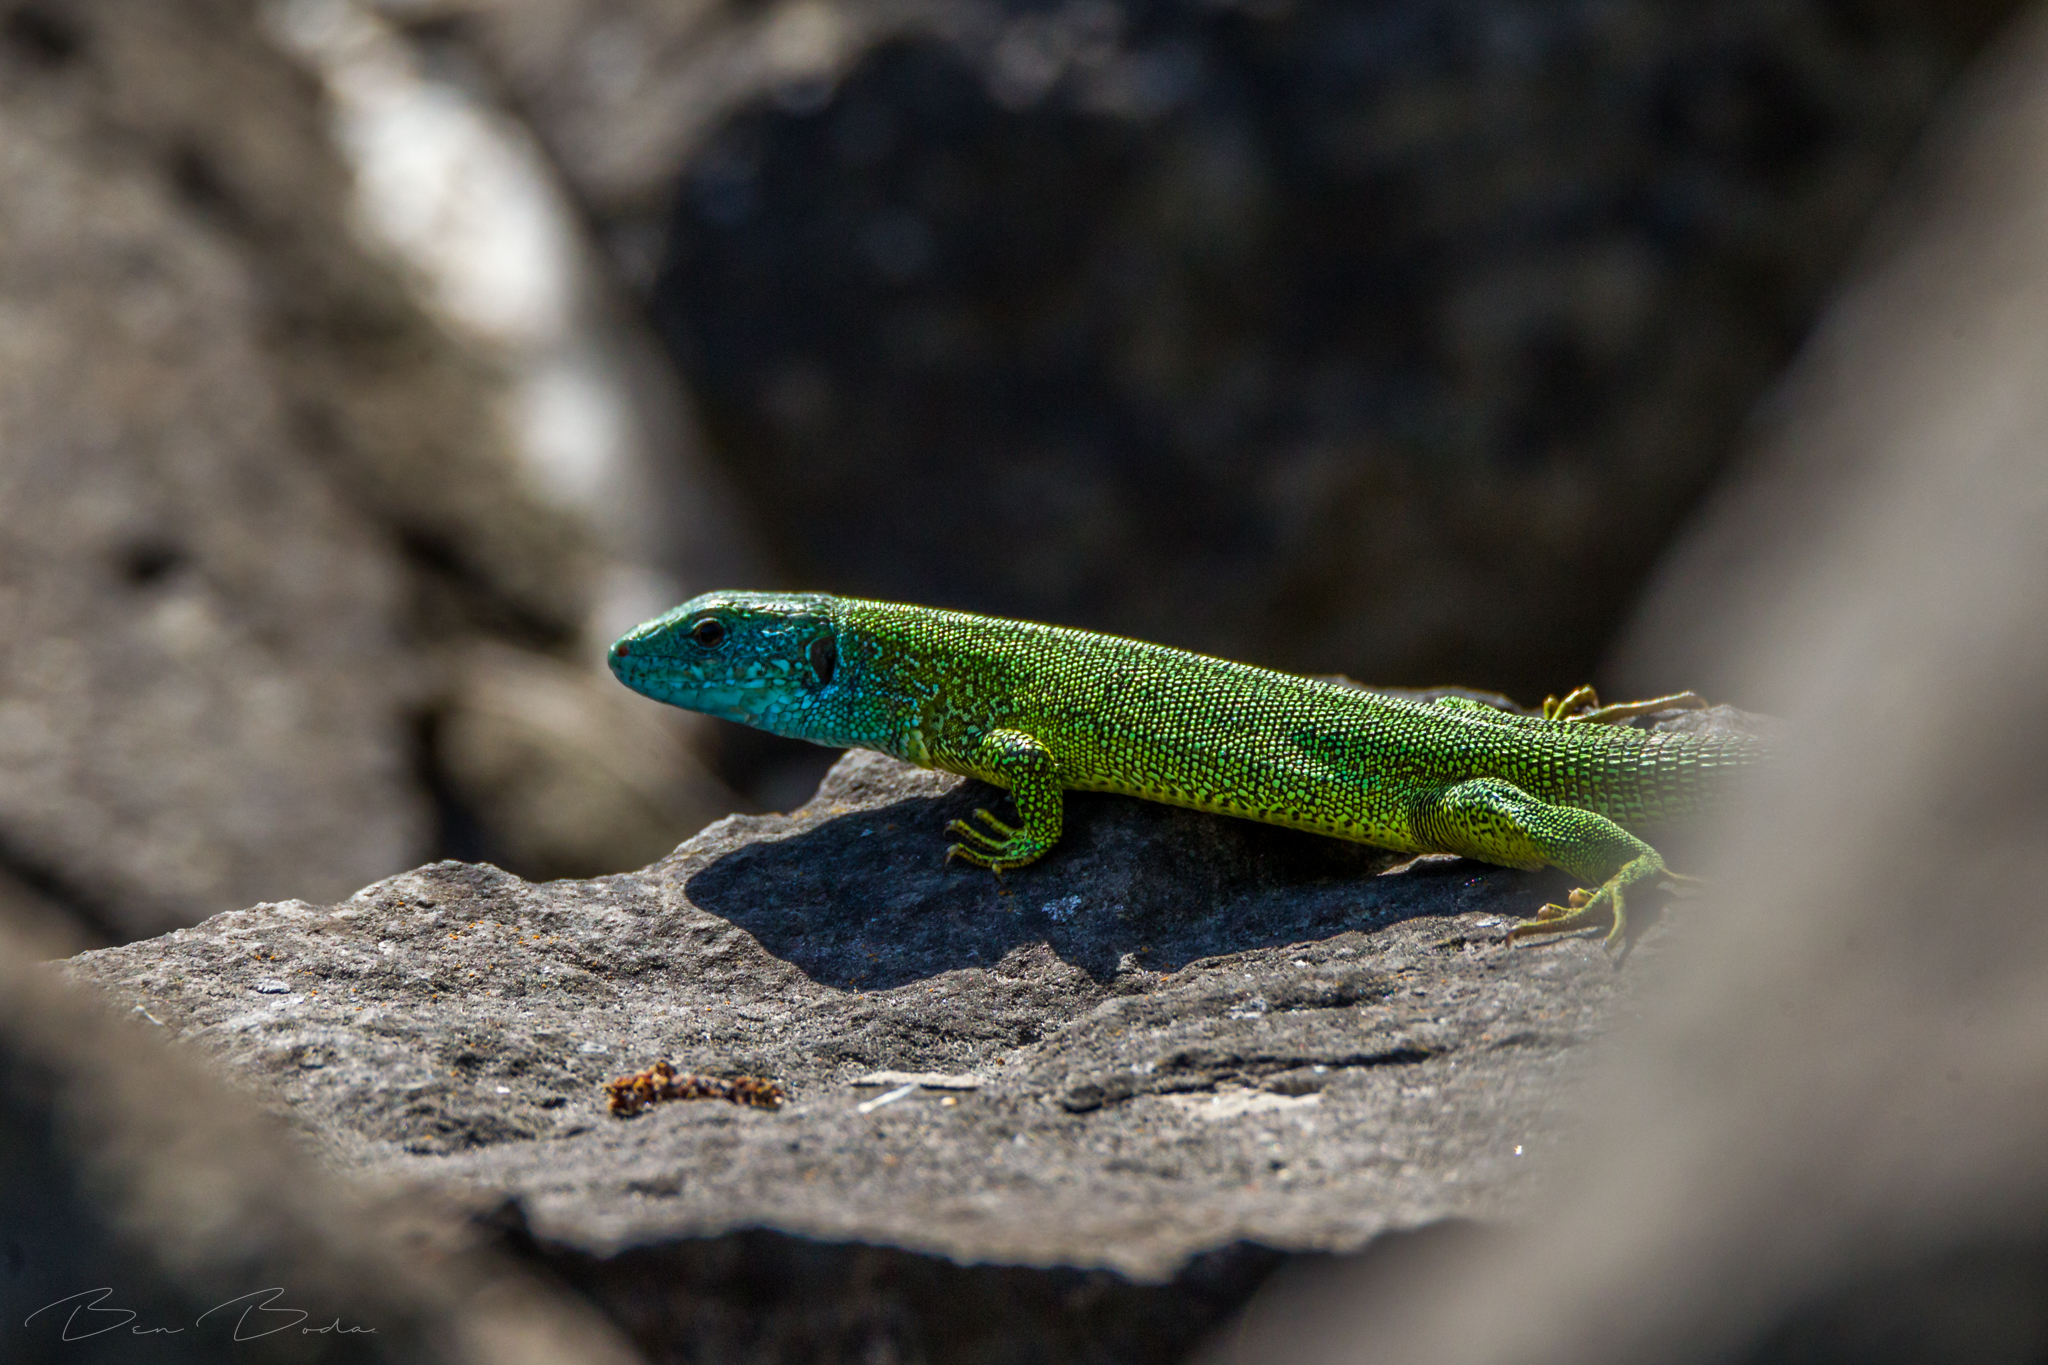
(1494, 820)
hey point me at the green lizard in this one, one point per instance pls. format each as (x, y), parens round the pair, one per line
(1043, 709)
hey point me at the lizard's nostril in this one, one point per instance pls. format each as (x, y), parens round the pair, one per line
(622, 650)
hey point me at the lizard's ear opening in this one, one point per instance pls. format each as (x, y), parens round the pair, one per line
(824, 658)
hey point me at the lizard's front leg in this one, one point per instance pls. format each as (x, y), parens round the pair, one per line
(1496, 821)
(1015, 760)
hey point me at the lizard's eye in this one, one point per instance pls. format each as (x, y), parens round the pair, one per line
(709, 632)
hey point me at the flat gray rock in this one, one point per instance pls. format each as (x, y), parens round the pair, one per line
(1175, 1033)
(1078, 1114)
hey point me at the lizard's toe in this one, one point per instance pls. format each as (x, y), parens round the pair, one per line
(997, 848)
(998, 838)
(1583, 910)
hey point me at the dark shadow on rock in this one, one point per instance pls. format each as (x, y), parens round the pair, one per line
(868, 901)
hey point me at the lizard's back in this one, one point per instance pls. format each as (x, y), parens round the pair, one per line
(1168, 725)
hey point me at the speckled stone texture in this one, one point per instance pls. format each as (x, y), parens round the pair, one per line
(1177, 1052)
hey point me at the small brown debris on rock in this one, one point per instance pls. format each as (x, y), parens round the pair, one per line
(643, 1089)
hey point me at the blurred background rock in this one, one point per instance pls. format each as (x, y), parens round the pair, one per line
(365, 367)
(274, 473)
(1380, 336)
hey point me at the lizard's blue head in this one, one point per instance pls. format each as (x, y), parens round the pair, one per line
(759, 658)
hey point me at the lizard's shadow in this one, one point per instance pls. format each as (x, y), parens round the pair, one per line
(866, 901)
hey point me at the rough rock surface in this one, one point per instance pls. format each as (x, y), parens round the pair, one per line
(1174, 1049)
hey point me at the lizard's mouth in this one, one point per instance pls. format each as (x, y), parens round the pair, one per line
(647, 671)
(747, 691)
(628, 664)
(755, 658)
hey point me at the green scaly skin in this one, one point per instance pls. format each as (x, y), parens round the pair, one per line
(1042, 710)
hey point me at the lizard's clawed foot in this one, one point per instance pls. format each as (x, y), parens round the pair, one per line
(1562, 708)
(1583, 909)
(1604, 906)
(998, 848)
(1582, 706)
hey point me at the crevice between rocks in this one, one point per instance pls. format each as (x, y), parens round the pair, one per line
(762, 1294)
(91, 921)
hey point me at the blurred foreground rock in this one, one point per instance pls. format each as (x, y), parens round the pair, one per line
(1077, 1115)
(1822, 1145)
(1389, 337)
(147, 1211)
